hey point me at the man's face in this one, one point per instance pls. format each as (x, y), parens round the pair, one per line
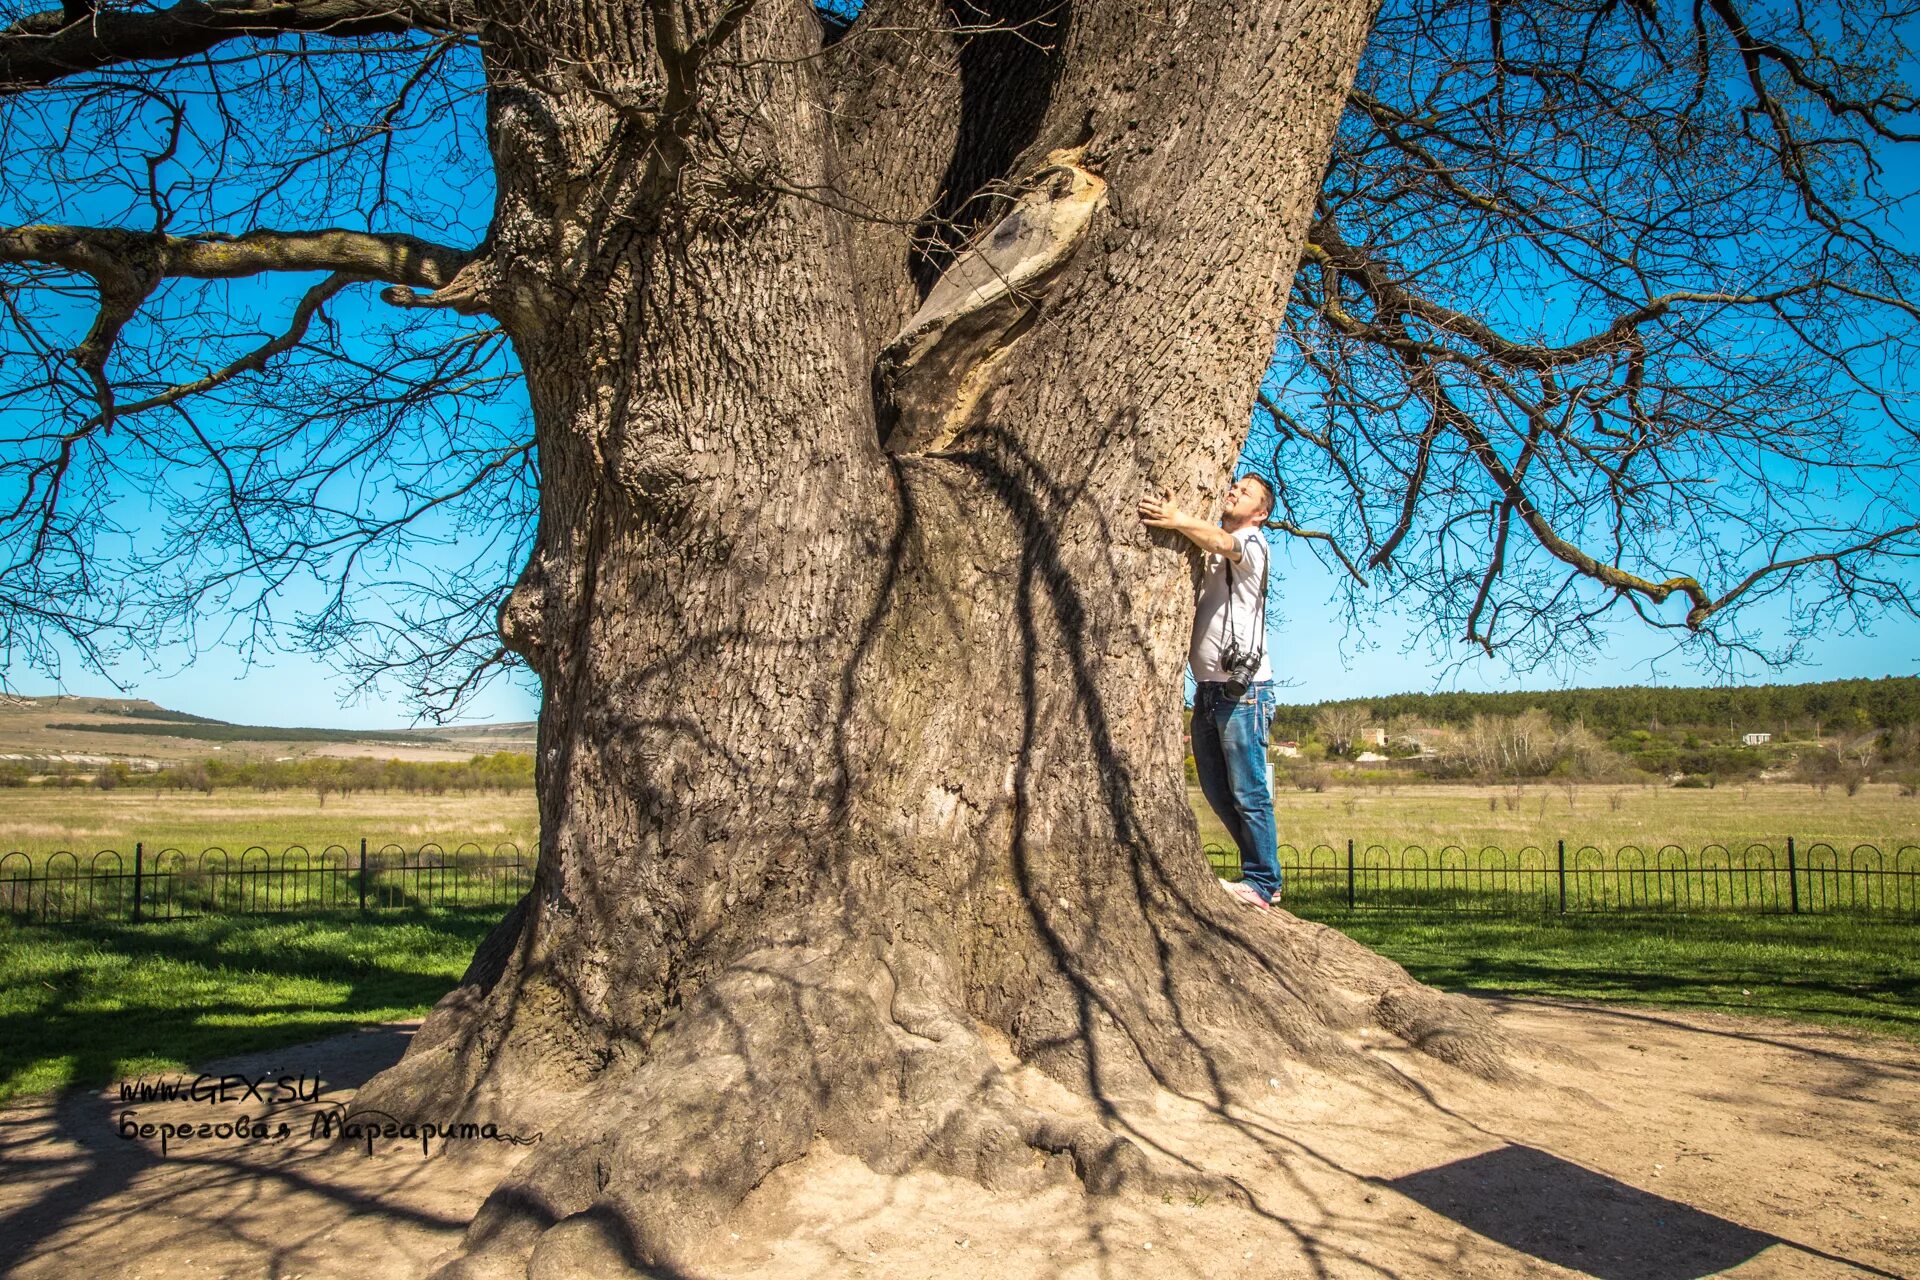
(1246, 499)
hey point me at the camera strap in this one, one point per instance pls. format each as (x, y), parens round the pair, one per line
(1233, 636)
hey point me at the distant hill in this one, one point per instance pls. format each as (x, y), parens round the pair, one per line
(1786, 710)
(137, 728)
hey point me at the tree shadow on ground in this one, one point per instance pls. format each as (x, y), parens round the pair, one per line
(94, 1184)
(1557, 1211)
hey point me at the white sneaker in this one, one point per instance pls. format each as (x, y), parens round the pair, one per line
(1245, 892)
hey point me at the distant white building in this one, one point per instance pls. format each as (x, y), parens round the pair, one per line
(1757, 739)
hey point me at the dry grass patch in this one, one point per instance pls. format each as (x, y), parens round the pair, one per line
(1605, 815)
(39, 821)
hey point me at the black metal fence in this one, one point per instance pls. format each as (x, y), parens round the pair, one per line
(170, 883)
(1812, 878)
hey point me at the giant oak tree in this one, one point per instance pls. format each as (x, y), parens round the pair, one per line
(850, 341)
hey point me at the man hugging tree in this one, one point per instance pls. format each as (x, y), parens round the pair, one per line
(1233, 679)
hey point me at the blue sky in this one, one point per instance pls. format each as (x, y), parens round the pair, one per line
(1311, 645)
(1314, 641)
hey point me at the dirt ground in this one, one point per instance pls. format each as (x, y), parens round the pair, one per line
(1681, 1146)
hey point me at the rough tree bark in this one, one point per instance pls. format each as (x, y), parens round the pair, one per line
(860, 742)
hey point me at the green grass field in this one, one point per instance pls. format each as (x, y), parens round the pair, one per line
(1817, 969)
(63, 725)
(85, 1004)
(88, 1004)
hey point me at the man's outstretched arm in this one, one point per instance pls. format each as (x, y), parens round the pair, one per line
(1160, 513)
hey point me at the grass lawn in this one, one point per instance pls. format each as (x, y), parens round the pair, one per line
(89, 1004)
(1816, 969)
(85, 1004)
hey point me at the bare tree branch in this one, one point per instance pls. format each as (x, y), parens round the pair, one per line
(1634, 281)
(45, 47)
(1318, 535)
(253, 361)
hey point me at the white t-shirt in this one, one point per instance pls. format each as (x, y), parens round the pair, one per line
(1210, 613)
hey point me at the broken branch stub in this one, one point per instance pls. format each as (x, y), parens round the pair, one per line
(932, 375)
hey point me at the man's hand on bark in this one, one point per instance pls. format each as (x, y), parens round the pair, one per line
(1157, 511)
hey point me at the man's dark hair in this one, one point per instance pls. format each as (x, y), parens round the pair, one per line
(1261, 480)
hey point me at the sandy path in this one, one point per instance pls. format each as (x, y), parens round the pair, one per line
(1686, 1145)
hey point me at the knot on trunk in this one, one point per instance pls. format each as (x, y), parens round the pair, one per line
(932, 377)
(523, 615)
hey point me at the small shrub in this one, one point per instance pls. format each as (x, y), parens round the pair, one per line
(1694, 782)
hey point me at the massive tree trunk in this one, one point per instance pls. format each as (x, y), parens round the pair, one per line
(860, 744)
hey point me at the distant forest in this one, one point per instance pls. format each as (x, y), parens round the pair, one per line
(1785, 710)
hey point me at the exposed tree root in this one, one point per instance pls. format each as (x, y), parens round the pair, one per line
(786, 1047)
(877, 1046)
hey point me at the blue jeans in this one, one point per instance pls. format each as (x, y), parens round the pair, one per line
(1230, 755)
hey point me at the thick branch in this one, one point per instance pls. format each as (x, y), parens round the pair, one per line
(897, 111)
(111, 254)
(126, 267)
(51, 45)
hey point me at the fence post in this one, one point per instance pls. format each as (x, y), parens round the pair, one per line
(1563, 877)
(139, 876)
(1793, 879)
(1349, 873)
(363, 873)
